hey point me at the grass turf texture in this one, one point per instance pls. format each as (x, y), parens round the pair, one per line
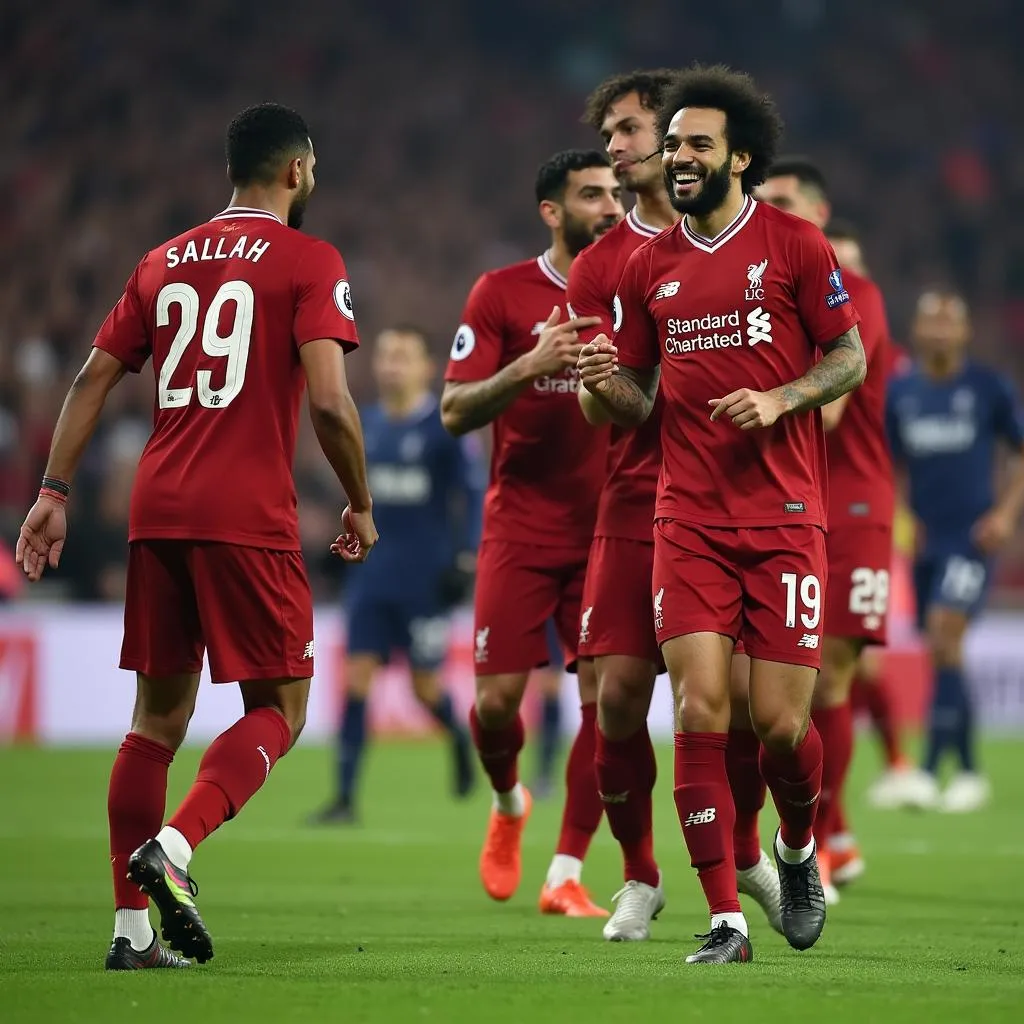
(388, 922)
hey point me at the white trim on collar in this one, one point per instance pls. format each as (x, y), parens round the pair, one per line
(738, 223)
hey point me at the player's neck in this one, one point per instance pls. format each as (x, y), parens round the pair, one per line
(655, 210)
(255, 197)
(560, 257)
(714, 223)
(944, 367)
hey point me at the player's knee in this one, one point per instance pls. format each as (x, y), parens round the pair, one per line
(621, 706)
(703, 711)
(783, 732)
(166, 729)
(495, 707)
(426, 688)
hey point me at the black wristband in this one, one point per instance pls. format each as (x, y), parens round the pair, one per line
(51, 483)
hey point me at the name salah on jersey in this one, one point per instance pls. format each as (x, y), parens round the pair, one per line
(242, 249)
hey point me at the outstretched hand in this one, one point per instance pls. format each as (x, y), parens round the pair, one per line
(41, 539)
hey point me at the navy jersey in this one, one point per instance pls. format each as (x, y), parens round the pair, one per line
(944, 433)
(427, 489)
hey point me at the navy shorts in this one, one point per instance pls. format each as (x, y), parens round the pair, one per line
(958, 580)
(384, 626)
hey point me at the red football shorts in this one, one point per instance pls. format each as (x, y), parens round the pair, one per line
(519, 587)
(857, 599)
(764, 586)
(617, 614)
(250, 608)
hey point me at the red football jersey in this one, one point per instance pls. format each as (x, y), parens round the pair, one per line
(860, 476)
(224, 309)
(626, 506)
(743, 310)
(547, 463)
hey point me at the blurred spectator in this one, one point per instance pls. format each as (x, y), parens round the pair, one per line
(429, 121)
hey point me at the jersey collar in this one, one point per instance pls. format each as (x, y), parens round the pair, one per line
(234, 212)
(638, 226)
(548, 269)
(739, 222)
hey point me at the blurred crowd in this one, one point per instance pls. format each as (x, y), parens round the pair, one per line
(429, 122)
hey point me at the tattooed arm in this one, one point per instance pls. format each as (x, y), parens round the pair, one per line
(625, 394)
(469, 405)
(841, 369)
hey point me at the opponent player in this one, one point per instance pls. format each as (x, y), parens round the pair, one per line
(513, 363)
(945, 418)
(860, 510)
(732, 304)
(616, 627)
(214, 558)
(428, 492)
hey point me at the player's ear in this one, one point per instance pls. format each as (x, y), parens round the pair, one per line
(294, 174)
(740, 162)
(551, 213)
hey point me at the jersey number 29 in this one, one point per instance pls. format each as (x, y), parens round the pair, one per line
(234, 346)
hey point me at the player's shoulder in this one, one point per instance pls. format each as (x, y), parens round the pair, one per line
(985, 376)
(774, 221)
(513, 275)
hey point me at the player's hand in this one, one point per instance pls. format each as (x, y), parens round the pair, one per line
(558, 345)
(41, 539)
(749, 410)
(992, 531)
(597, 362)
(358, 536)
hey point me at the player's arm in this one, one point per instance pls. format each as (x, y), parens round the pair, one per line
(583, 296)
(997, 526)
(121, 345)
(622, 377)
(335, 419)
(470, 404)
(841, 369)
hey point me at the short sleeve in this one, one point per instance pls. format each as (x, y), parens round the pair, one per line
(823, 302)
(637, 335)
(479, 342)
(874, 323)
(323, 299)
(1009, 419)
(586, 296)
(125, 334)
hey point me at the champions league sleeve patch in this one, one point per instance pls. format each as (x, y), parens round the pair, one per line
(839, 294)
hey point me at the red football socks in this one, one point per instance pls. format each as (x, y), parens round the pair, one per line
(742, 764)
(835, 726)
(626, 773)
(499, 751)
(232, 770)
(878, 701)
(794, 778)
(135, 809)
(706, 814)
(581, 816)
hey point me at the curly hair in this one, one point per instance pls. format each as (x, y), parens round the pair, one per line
(650, 86)
(753, 124)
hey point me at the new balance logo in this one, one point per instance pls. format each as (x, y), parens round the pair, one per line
(666, 290)
(307, 651)
(808, 640)
(759, 326)
(704, 817)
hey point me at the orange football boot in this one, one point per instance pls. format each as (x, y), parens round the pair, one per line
(501, 863)
(569, 899)
(847, 864)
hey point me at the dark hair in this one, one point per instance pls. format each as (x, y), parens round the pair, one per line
(650, 86)
(553, 174)
(261, 139)
(752, 122)
(409, 328)
(842, 230)
(806, 172)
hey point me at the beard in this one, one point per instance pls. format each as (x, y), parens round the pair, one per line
(298, 208)
(713, 192)
(578, 234)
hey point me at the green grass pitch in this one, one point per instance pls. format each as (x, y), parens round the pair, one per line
(387, 921)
